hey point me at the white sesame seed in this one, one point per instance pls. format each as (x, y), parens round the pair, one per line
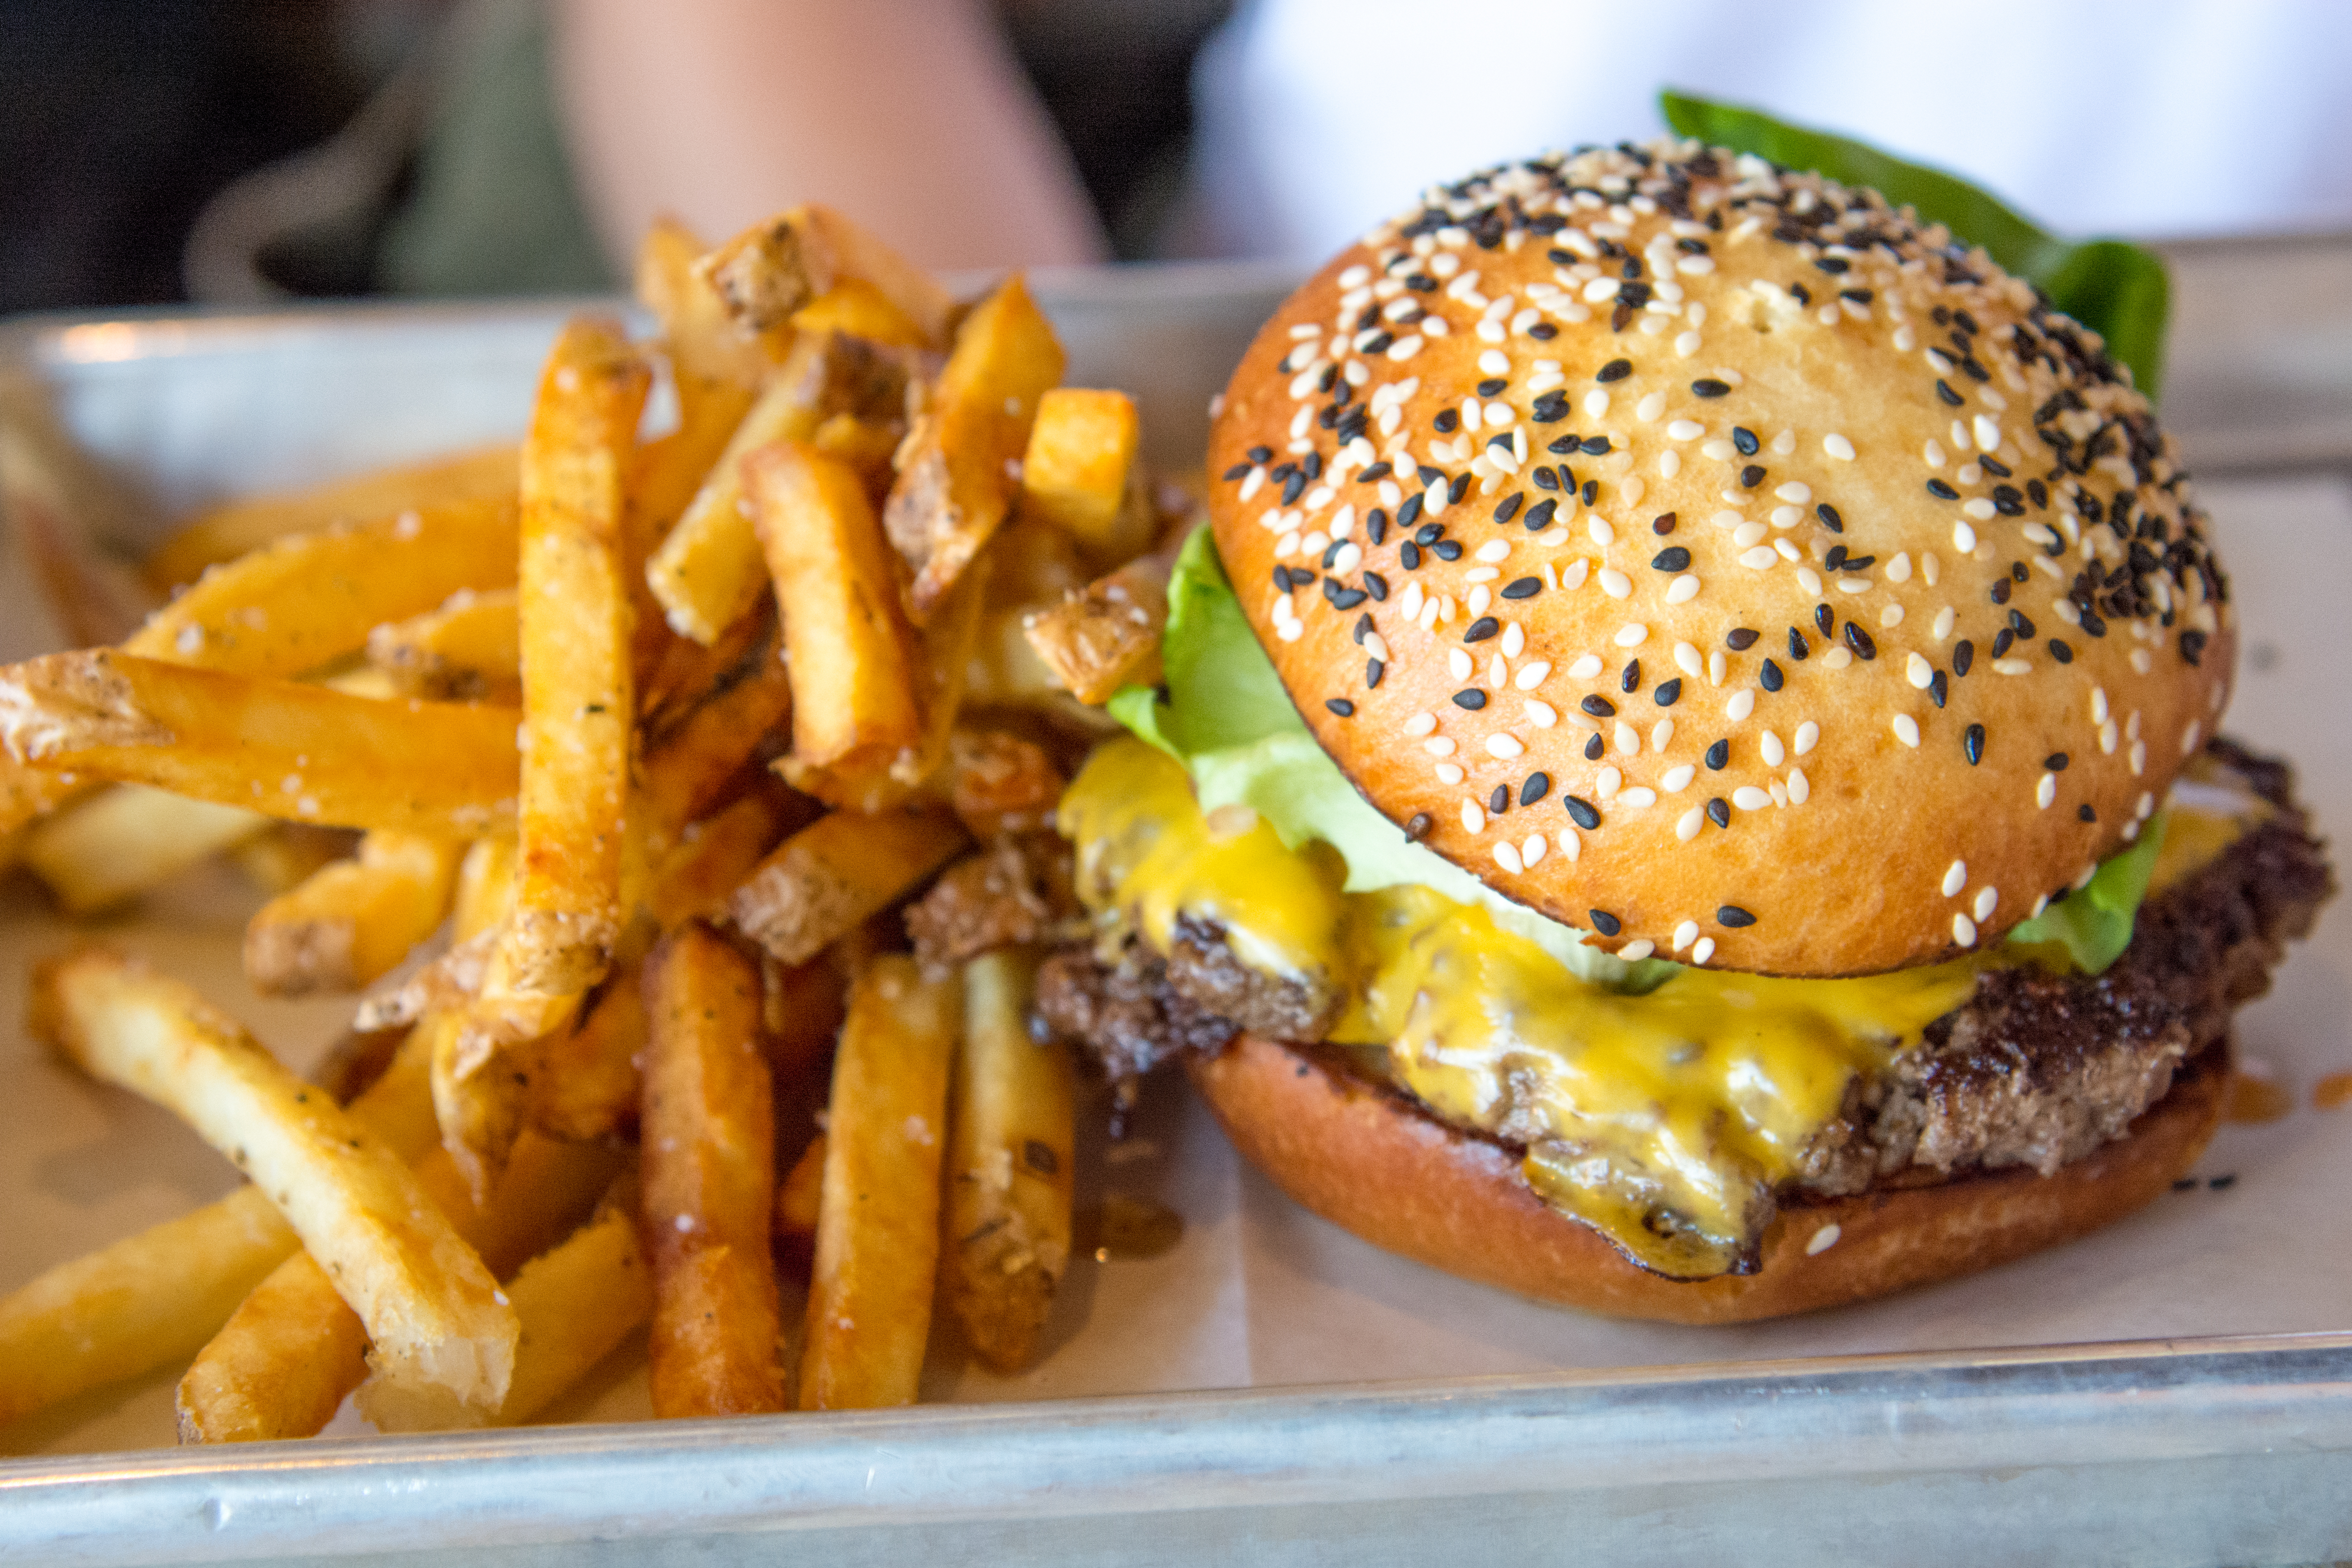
(1640, 948)
(1719, 449)
(1605, 782)
(1438, 746)
(1890, 615)
(1907, 730)
(1899, 569)
(1980, 509)
(1800, 786)
(1411, 604)
(1759, 558)
(1586, 667)
(1677, 779)
(1406, 347)
(1494, 550)
(1838, 446)
(1987, 434)
(1685, 934)
(1686, 659)
(1457, 663)
(1505, 745)
(2137, 757)
(1810, 581)
(1531, 674)
(1514, 642)
(1946, 619)
(1498, 672)
(1685, 430)
(1532, 847)
(1854, 584)
(1474, 819)
(1662, 734)
(1770, 745)
(1420, 724)
(1747, 798)
(1788, 516)
(1627, 738)
(1598, 527)
(1500, 415)
(1683, 589)
(1650, 407)
(1748, 533)
(1670, 463)
(1637, 798)
(1480, 598)
(1615, 583)
(1290, 631)
(1541, 714)
(1631, 635)
(1784, 443)
(1703, 950)
(2046, 790)
(1494, 361)
(2107, 739)
(1988, 900)
(1449, 773)
(1715, 666)
(1920, 671)
(1808, 736)
(1837, 658)
(1376, 646)
(1347, 560)
(1572, 575)
(2011, 666)
(1964, 931)
(1827, 1237)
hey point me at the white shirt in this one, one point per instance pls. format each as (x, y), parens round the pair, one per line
(2146, 118)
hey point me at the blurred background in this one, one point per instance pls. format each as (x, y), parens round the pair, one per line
(236, 151)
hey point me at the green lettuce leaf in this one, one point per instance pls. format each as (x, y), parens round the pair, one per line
(2119, 290)
(2094, 925)
(1223, 713)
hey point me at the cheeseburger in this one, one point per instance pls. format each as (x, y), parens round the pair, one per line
(1687, 781)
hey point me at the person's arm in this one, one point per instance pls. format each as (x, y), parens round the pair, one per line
(912, 116)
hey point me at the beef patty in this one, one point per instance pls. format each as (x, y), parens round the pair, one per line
(2034, 1069)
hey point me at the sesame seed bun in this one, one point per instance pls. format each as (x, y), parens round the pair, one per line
(1829, 602)
(1369, 1161)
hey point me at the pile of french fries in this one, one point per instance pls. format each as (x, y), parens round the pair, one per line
(610, 775)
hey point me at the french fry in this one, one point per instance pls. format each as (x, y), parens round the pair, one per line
(710, 357)
(282, 1363)
(700, 873)
(859, 308)
(709, 571)
(824, 881)
(1109, 636)
(1074, 474)
(1000, 783)
(296, 602)
(1012, 1151)
(431, 1308)
(577, 712)
(800, 1197)
(144, 1302)
(283, 854)
(777, 267)
(223, 533)
(118, 843)
(956, 472)
(854, 700)
(469, 649)
(576, 1302)
(586, 1086)
(353, 921)
(709, 1151)
(877, 1240)
(278, 747)
(702, 749)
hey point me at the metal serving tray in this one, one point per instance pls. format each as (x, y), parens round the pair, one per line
(2177, 1390)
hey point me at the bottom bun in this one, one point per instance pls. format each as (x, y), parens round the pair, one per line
(1366, 1161)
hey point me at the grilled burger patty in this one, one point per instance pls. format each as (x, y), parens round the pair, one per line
(2035, 1069)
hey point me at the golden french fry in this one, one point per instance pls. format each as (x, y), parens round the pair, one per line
(859, 308)
(777, 267)
(854, 700)
(469, 649)
(576, 1302)
(353, 921)
(800, 1197)
(711, 356)
(278, 747)
(296, 602)
(1108, 637)
(1074, 475)
(118, 843)
(574, 613)
(587, 1083)
(484, 474)
(144, 1302)
(956, 473)
(1011, 1155)
(431, 1309)
(877, 1240)
(26, 794)
(698, 874)
(283, 854)
(709, 571)
(830, 875)
(708, 1142)
(1000, 782)
(704, 749)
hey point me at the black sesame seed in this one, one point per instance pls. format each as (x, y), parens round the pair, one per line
(1376, 526)
(1973, 744)
(1830, 518)
(1550, 409)
(1492, 387)
(1941, 490)
(1429, 534)
(1565, 445)
(1331, 553)
(1826, 619)
(2085, 814)
(1733, 916)
(1605, 922)
(1630, 679)
(1581, 811)
(2222, 1183)
(1342, 598)
(1363, 627)
(2060, 651)
(1594, 747)
(1259, 454)
(1239, 470)
(1739, 639)
(1483, 627)
(1471, 698)
(1835, 560)
(1860, 641)
(1944, 390)
(1523, 588)
(1600, 707)
(1373, 670)
(2192, 647)
(1939, 687)
(2019, 624)
(1500, 801)
(2056, 762)
(2017, 571)
(1769, 676)
(1508, 507)
(1376, 587)
(1718, 756)
(1798, 647)
(1963, 656)
(1537, 786)
(1751, 476)
(1595, 446)
(1408, 556)
(1447, 420)
(1543, 332)
(1447, 550)
(1377, 472)
(1417, 827)
(1673, 558)
(1458, 490)
(1544, 478)
(1746, 440)
(1341, 706)
(1707, 386)
(1999, 593)
(1718, 811)
(1833, 265)
(1410, 511)
(2000, 641)
(1539, 515)
(1615, 370)
(1663, 524)
(1668, 692)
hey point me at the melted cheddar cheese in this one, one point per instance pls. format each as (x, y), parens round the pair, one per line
(1665, 1120)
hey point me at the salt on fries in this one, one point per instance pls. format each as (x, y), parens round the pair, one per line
(673, 734)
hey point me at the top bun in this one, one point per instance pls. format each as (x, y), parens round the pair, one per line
(1714, 558)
